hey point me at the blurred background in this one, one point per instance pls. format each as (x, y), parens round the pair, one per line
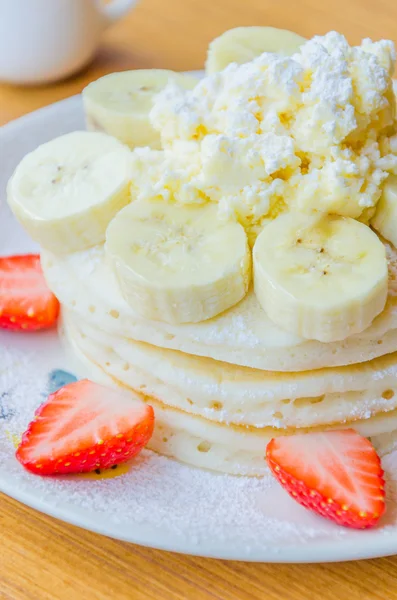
(174, 34)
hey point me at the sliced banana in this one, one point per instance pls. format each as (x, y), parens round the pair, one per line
(66, 191)
(242, 44)
(322, 278)
(385, 218)
(120, 103)
(178, 264)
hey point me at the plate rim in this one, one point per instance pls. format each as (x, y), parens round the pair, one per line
(382, 543)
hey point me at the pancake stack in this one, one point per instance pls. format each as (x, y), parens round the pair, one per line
(221, 389)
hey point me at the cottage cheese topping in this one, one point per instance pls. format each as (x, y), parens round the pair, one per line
(314, 131)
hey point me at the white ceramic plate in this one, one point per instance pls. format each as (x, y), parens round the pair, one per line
(158, 502)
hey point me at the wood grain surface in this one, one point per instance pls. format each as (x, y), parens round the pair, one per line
(44, 559)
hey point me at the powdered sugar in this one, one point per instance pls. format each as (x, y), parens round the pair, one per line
(172, 498)
(158, 500)
(20, 395)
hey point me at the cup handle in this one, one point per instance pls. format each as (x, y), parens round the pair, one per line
(115, 9)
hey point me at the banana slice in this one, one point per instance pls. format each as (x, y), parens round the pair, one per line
(120, 103)
(242, 44)
(321, 278)
(65, 192)
(178, 264)
(385, 218)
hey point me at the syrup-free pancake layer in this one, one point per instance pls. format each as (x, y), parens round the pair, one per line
(85, 283)
(191, 437)
(222, 388)
(240, 395)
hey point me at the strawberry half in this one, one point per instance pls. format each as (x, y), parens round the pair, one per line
(337, 474)
(85, 426)
(26, 303)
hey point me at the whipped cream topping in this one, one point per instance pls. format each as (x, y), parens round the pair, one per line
(311, 132)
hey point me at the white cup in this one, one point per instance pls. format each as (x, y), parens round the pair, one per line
(46, 40)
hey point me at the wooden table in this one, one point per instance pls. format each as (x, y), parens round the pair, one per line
(43, 559)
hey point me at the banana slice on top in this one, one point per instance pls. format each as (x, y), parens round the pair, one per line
(178, 264)
(243, 44)
(66, 191)
(385, 218)
(322, 278)
(120, 103)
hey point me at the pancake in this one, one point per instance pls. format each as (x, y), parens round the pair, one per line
(241, 395)
(243, 335)
(199, 441)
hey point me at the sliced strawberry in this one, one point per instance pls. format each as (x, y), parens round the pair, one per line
(85, 426)
(337, 474)
(26, 303)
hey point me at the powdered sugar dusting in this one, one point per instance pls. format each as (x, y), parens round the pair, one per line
(179, 502)
(158, 501)
(93, 257)
(23, 383)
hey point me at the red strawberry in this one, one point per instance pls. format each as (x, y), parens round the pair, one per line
(26, 303)
(85, 426)
(337, 474)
